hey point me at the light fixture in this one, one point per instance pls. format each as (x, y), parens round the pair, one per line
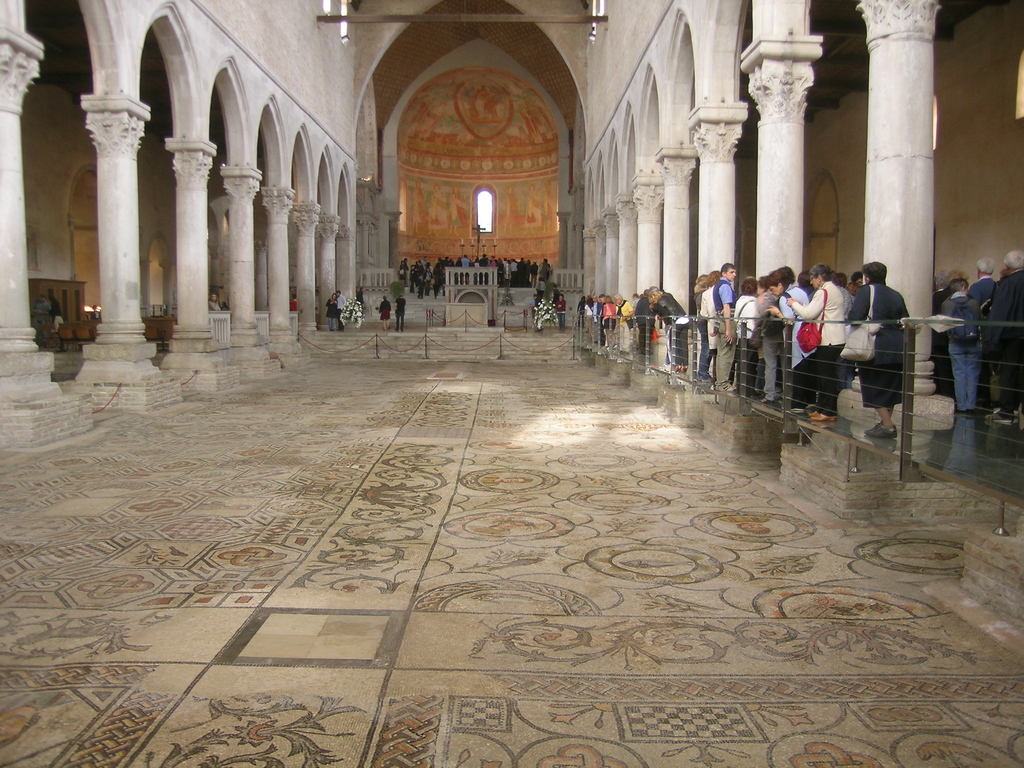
(343, 27)
(593, 33)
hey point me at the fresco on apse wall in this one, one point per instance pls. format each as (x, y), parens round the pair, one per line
(470, 127)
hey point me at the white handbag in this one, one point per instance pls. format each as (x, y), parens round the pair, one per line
(860, 344)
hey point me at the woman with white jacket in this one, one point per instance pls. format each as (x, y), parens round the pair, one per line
(827, 305)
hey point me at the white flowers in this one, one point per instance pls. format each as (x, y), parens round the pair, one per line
(352, 312)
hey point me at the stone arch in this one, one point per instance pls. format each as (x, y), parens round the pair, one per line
(113, 72)
(325, 187)
(240, 149)
(601, 198)
(681, 81)
(821, 242)
(83, 215)
(182, 73)
(650, 124)
(303, 176)
(614, 186)
(630, 153)
(344, 195)
(717, 65)
(276, 172)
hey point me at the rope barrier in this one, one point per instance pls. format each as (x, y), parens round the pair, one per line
(403, 351)
(474, 349)
(189, 379)
(116, 393)
(337, 351)
(541, 352)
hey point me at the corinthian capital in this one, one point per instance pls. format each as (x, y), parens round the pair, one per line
(115, 134)
(278, 202)
(626, 210)
(241, 182)
(305, 216)
(589, 233)
(611, 223)
(910, 19)
(18, 68)
(780, 90)
(327, 226)
(344, 232)
(716, 142)
(192, 168)
(678, 171)
(649, 199)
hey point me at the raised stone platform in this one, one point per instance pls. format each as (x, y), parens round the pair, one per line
(136, 397)
(684, 406)
(994, 573)
(37, 423)
(724, 424)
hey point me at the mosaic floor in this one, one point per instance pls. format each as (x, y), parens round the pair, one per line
(469, 566)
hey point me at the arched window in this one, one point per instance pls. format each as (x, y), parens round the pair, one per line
(485, 205)
(1020, 88)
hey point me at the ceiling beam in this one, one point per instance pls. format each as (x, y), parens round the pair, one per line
(461, 18)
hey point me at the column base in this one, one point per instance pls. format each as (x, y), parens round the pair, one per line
(253, 361)
(746, 434)
(619, 372)
(646, 387)
(25, 377)
(144, 396)
(993, 574)
(122, 363)
(41, 422)
(818, 473)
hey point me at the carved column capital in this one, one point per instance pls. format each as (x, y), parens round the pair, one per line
(115, 134)
(649, 199)
(305, 217)
(278, 202)
(192, 162)
(599, 229)
(241, 183)
(19, 66)
(589, 233)
(779, 88)
(909, 19)
(677, 171)
(716, 142)
(344, 232)
(611, 223)
(625, 208)
(327, 226)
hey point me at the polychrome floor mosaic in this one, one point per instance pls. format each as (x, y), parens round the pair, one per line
(469, 566)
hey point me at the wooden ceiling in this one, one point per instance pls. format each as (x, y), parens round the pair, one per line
(842, 69)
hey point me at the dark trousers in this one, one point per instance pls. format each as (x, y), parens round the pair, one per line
(826, 381)
(400, 322)
(1011, 375)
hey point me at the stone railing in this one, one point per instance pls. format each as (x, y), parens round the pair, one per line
(220, 328)
(376, 278)
(568, 279)
(465, 276)
(263, 324)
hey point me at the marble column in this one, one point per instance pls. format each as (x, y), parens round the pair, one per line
(192, 163)
(24, 370)
(278, 202)
(780, 75)
(677, 166)
(121, 353)
(600, 258)
(649, 196)
(260, 265)
(563, 240)
(305, 217)
(716, 132)
(899, 191)
(345, 262)
(624, 277)
(242, 183)
(610, 280)
(327, 229)
(589, 259)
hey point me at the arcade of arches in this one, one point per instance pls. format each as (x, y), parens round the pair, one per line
(155, 152)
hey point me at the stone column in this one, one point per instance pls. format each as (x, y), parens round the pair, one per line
(345, 262)
(677, 166)
(612, 250)
(260, 262)
(393, 218)
(121, 353)
(589, 257)
(242, 182)
(649, 196)
(278, 202)
(327, 229)
(625, 274)
(192, 163)
(780, 75)
(716, 131)
(899, 191)
(563, 239)
(600, 258)
(305, 217)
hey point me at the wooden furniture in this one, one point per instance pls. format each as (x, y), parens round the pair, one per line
(70, 294)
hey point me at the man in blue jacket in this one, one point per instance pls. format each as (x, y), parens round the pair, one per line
(1008, 307)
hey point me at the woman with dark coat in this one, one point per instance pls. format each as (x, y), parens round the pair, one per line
(881, 379)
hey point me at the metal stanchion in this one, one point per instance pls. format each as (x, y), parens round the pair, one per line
(376, 346)
(905, 446)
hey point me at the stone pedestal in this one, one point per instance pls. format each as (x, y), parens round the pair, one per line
(683, 406)
(200, 365)
(747, 434)
(619, 372)
(603, 364)
(646, 386)
(41, 422)
(994, 573)
(107, 367)
(819, 472)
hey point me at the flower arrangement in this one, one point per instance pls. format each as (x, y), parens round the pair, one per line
(352, 312)
(544, 314)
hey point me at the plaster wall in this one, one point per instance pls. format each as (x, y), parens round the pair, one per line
(836, 143)
(308, 59)
(979, 158)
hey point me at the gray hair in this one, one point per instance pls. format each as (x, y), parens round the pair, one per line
(986, 266)
(1014, 260)
(941, 280)
(824, 271)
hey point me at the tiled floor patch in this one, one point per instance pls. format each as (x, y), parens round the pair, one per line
(276, 637)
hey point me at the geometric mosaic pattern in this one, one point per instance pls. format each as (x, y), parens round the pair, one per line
(466, 565)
